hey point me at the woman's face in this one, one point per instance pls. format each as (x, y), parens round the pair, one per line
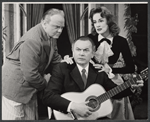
(100, 25)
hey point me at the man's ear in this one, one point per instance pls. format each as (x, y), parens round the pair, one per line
(93, 52)
(72, 47)
(43, 22)
(94, 49)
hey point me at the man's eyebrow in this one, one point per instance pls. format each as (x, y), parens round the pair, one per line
(58, 25)
(83, 49)
(86, 49)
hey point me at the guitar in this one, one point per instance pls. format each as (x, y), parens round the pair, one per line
(98, 99)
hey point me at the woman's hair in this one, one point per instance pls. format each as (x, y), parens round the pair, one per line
(105, 13)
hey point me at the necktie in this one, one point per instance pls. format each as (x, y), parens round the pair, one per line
(84, 77)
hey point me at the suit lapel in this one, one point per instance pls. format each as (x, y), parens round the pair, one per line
(75, 74)
(45, 40)
(51, 52)
(46, 46)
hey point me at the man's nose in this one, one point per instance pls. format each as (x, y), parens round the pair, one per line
(81, 52)
(60, 30)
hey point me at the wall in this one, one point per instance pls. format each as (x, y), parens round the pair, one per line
(8, 15)
(11, 14)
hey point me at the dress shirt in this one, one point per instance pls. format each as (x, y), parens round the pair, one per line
(86, 68)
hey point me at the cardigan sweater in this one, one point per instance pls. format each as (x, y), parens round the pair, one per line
(119, 45)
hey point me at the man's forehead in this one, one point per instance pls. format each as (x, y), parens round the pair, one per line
(58, 24)
(83, 44)
(57, 20)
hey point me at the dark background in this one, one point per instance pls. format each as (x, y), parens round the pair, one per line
(63, 43)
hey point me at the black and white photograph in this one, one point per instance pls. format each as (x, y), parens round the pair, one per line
(74, 61)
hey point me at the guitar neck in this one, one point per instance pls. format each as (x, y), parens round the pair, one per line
(117, 89)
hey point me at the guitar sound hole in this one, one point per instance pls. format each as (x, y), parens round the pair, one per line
(93, 103)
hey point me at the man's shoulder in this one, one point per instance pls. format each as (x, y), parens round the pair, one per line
(119, 38)
(32, 36)
(64, 65)
(97, 71)
(33, 33)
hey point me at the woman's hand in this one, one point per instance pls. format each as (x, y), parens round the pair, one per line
(47, 77)
(106, 68)
(139, 83)
(99, 66)
(67, 59)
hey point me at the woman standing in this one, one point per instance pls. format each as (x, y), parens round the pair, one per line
(112, 51)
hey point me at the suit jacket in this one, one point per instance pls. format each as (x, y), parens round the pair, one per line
(67, 78)
(22, 74)
(119, 45)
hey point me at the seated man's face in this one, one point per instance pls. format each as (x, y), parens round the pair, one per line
(82, 52)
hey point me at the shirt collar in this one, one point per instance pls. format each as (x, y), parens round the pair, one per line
(101, 37)
(86, 68)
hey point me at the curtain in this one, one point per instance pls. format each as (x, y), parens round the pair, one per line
(34, 14)
(72, 17)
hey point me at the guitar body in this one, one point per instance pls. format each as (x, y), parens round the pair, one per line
(103, 109)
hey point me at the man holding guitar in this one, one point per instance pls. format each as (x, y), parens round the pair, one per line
(71, 93)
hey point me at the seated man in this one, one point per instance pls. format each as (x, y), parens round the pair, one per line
(72, 78)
